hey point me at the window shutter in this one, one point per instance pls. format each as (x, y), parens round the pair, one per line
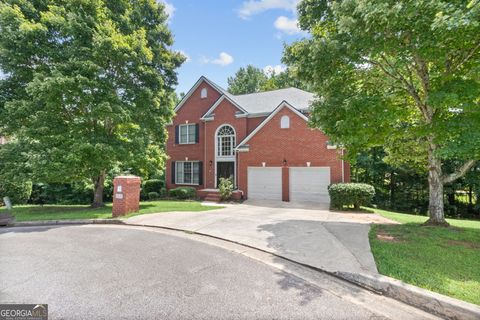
(176, 134)
(197, 133)
(173, 172)
(200, 172)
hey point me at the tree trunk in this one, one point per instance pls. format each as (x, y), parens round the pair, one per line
(435, 187)
(392, 189)
(98, 184)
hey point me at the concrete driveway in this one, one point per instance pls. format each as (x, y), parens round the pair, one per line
(305, 233)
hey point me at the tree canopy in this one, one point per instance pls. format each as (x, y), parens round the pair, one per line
(88, 86)
(399, 74)
(252, 79)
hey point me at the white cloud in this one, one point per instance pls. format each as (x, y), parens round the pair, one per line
(269, 70)
(169, 9)
(252, 7)
(224, 59)
(183, 53)
(287, 25)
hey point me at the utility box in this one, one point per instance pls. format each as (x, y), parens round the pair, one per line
(126, 195)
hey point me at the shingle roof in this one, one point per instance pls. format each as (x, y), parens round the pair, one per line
(262, 102)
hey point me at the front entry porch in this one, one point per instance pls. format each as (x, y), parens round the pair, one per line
(214, 194)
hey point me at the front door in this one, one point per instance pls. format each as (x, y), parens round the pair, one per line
(225, 169)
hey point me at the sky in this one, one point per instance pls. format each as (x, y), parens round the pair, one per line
(220, 36)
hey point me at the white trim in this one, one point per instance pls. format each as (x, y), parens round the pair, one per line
(217, 103)
(272, 114)
(343, 169)
(258, 115)
(195, 86)
(225, 158)
(188, 125)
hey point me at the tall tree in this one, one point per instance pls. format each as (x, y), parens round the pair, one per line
(246, 80)
(396, 73)
(88, 85)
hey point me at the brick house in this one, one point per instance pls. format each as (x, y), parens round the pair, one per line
(261, 140)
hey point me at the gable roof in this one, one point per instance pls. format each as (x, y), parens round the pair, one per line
(262, 102)
(282, 105)
(255, 103)
(215, 105)
(195, 86)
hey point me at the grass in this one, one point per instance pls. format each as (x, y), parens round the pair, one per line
(62, 212)
(444, 260)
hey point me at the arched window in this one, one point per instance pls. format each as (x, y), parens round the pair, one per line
(203, 93)
(225, 141)
(285, 122)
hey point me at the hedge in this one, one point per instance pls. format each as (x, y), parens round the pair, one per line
(183, 193)
(19, 191)
(350, 194)
(153, 185)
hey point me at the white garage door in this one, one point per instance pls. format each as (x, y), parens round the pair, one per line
(264, 183)
(309, 184)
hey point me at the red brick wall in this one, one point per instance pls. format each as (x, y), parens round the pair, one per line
(128, 199)
(252, 123)
(192, 110)
(297, 145)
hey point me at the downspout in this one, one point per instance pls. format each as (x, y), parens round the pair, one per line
(343, 168)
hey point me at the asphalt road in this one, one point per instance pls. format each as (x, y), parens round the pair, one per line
(86, 272)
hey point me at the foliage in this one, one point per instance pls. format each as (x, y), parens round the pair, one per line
(183, 193)
(88, 87)
(348, 194)
(153, 195)
(443, 260)
(18, 191)
(61, 193)
(61, 212)
(225, 188)
(252, 79)
(389, 76)
(153, 185)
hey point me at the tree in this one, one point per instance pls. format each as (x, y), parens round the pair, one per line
(88, 86)
(252, 79)
(246, 80)
(396, 73)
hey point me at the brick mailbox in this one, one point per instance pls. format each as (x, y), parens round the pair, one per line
(126, 195)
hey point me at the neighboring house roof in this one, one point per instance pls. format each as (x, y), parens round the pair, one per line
(283, 104)
(259, 102)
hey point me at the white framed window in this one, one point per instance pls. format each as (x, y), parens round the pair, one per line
(225, 141)
(203, 93)
(285, 122)
(188, 133)
(187, 172)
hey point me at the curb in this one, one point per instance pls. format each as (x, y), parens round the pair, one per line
(431, 302)
(64, 222)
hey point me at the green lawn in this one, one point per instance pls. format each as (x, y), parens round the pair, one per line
(444, 260)
(60, 212)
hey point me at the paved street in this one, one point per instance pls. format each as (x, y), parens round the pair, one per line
(90, 272)
(307, 233)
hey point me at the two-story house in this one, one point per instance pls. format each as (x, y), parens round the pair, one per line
(261, 140)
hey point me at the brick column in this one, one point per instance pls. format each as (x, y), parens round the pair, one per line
(285, 183)
(126, 195)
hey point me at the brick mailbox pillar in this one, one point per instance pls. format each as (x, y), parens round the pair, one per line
(126, 195)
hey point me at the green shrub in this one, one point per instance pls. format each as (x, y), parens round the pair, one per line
(18, 191)
(163, 192)
(80, 192)
(225, 188)
(183, 193)
(153, 195)
(153, 185)
(348, 194)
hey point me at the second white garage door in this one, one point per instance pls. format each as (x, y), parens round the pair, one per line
(309, 184)
(265, 183)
